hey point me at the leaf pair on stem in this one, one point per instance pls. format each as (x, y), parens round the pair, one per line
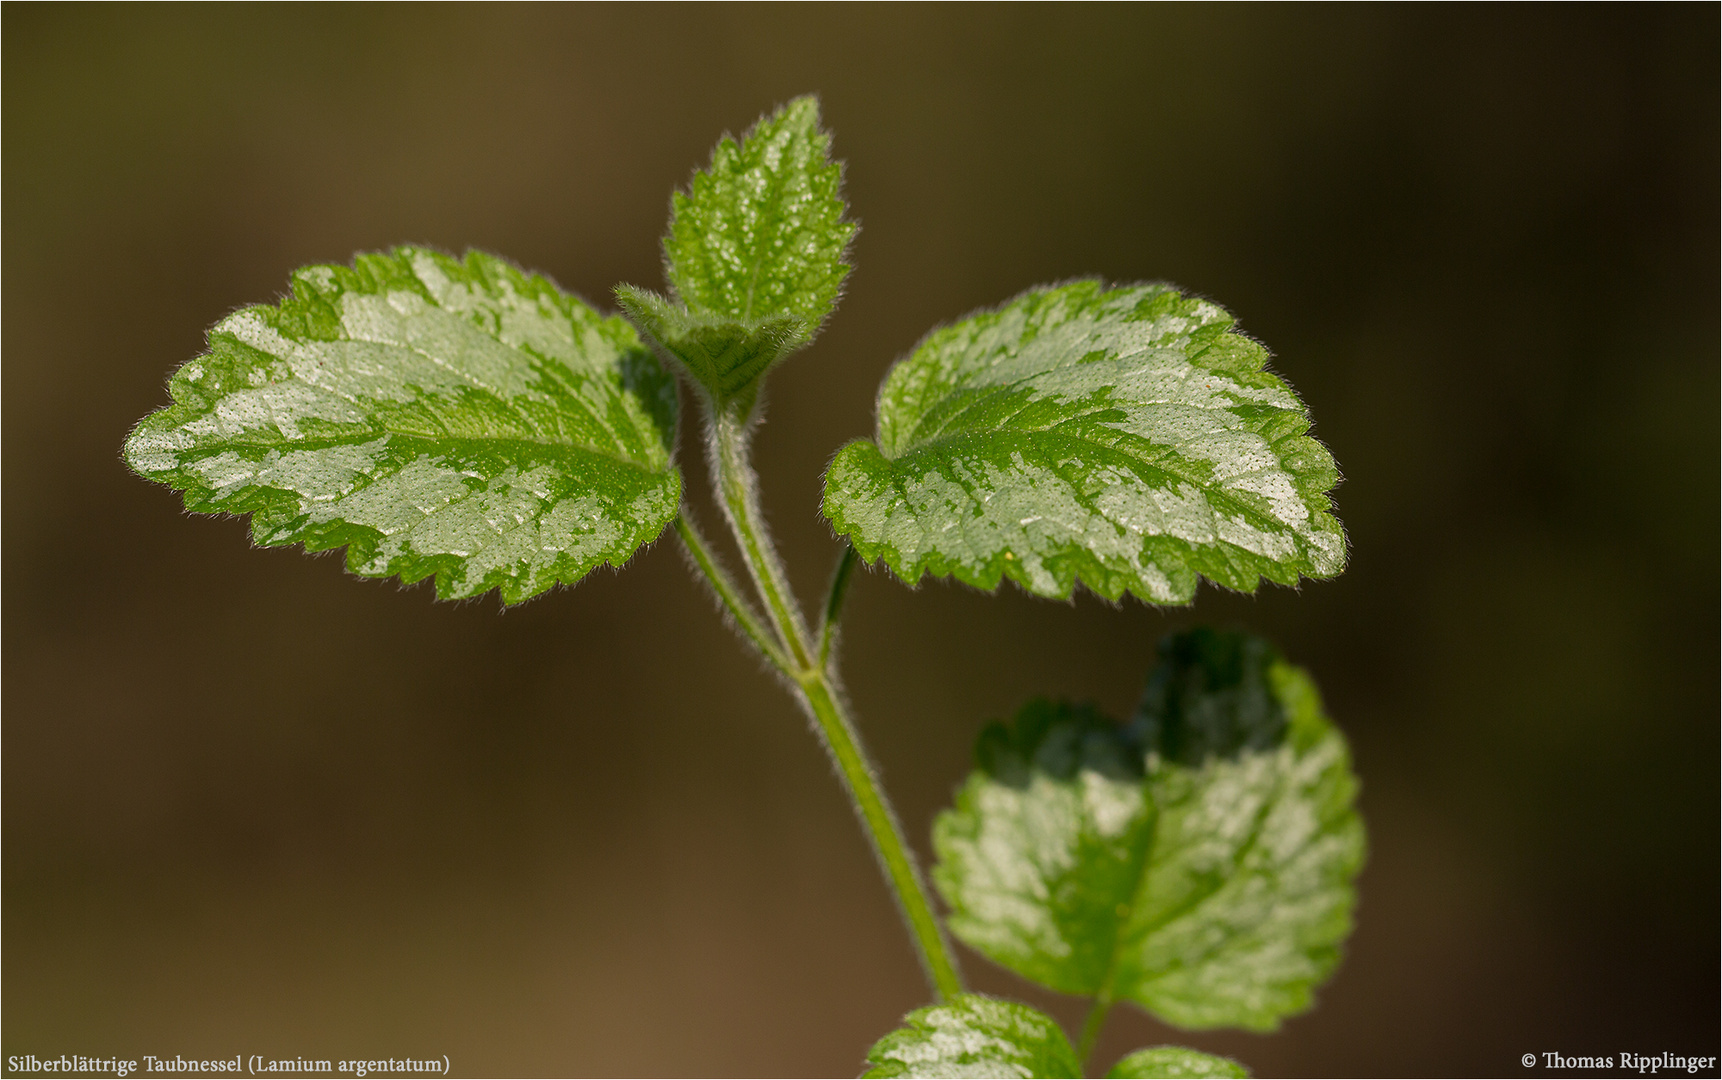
(462, 420)
(1196, 861)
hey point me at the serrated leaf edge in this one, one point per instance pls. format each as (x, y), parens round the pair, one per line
(197, 495)
(1088, 572)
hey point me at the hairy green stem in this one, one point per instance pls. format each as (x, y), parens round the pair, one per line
(1091, 1027)
(738, 488)
(736, 604)
(834, 598)
(816, 686)
(895, 857)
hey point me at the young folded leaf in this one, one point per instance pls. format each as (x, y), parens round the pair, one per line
(1126, 438)
(726, 358)
(438, 416)
(1174, 1061)
(761, 231)
(1198, 862)
(754, 256)
(974, 1035)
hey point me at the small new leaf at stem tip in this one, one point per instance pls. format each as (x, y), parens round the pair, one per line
(1197, 862)
(725, 358)
(760, 231)
(455, 418)
(755, 256)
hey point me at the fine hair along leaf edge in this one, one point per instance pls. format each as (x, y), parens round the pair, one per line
(869, 492)
(458, 418)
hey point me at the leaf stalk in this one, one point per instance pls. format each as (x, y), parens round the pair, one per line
(746, 619)
(1092, 1026)
(834, 598)
(738, 491)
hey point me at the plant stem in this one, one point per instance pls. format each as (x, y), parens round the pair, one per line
(834, 602)
(738, 488)
(738, 607)
(1091, 1027)
(875, 812)
(816, 687)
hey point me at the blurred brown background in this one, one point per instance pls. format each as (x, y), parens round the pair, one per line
(254, 805)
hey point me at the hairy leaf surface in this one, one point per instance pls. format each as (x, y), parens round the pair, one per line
(973, 1035)
(1197, 862)
(726, 358)
(437, 416)
(754, 255)
(1127, 438)
(760, 232)
(1174, 1061)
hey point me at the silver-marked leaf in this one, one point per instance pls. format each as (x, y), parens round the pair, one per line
(1127, 438)
(1175, 1061)
(438, 416)
(1198, 862)
(760, 232)
(974, 1035)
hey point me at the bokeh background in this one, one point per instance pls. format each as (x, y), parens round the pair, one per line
(254, 805)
